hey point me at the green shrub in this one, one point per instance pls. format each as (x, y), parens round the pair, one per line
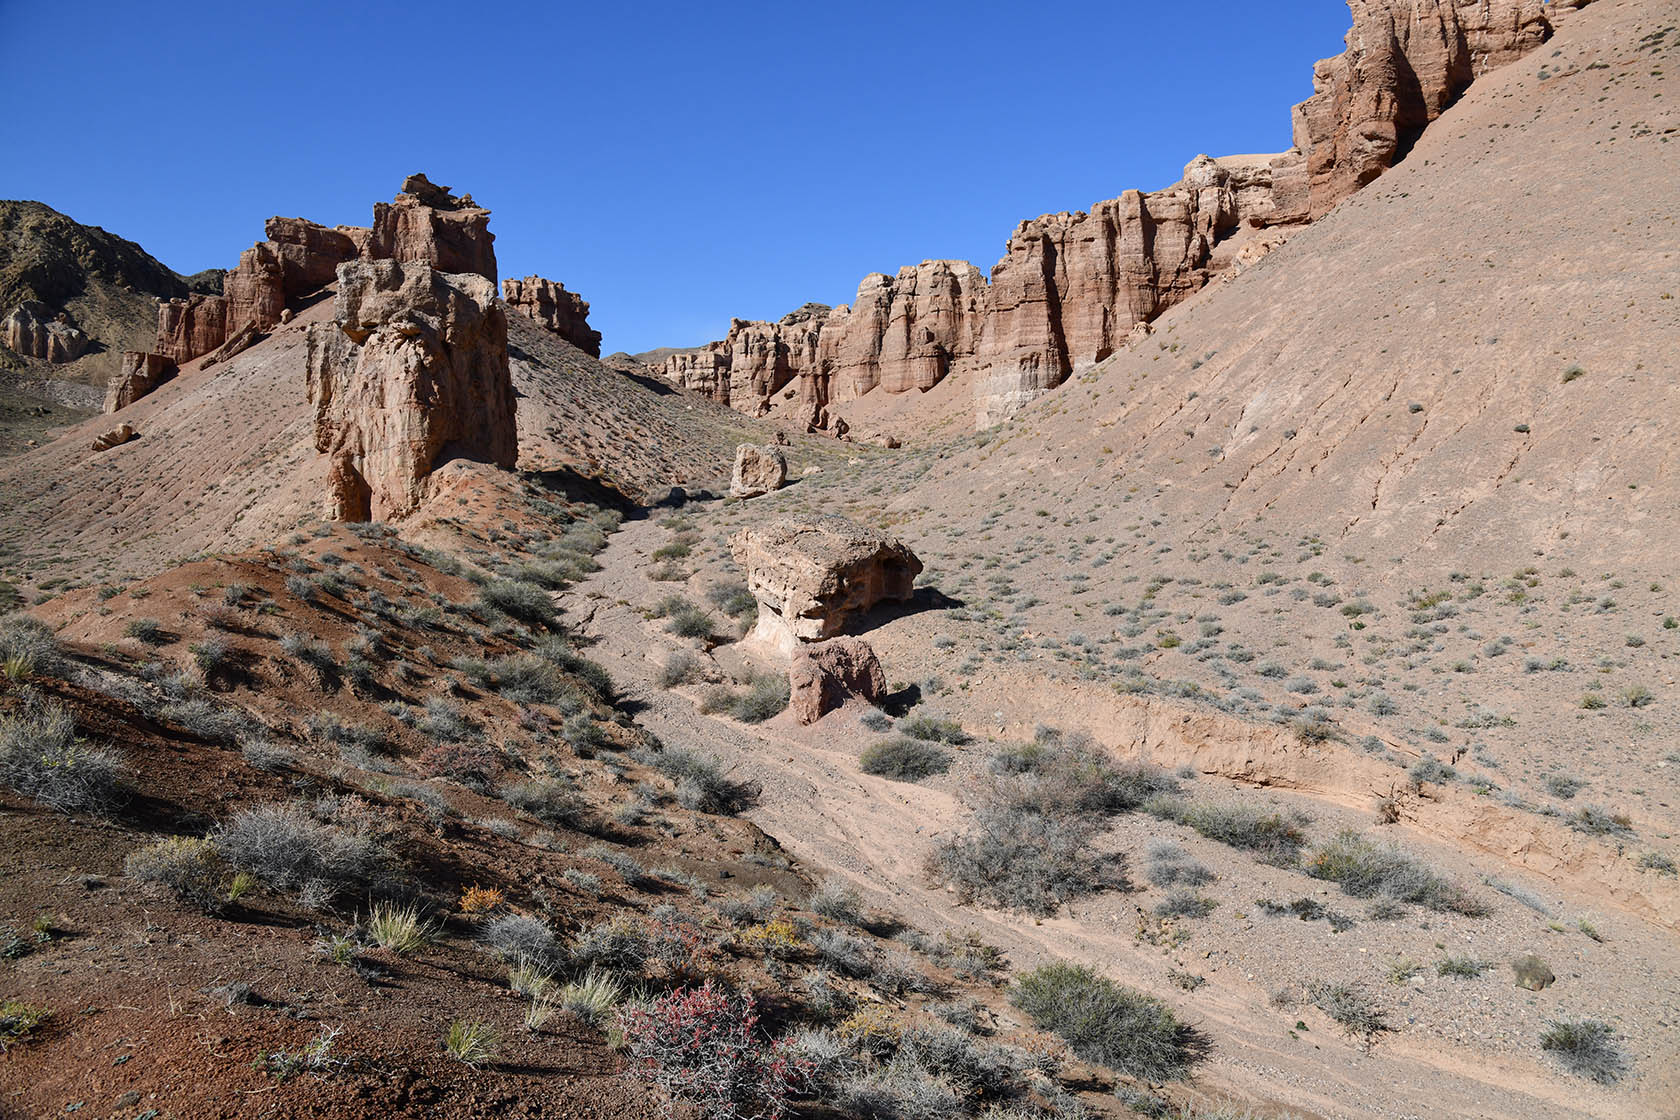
(904, 760)
(764, 698)
(934, 730)
(1461, 966)
(527, 602)
(702, 783)
(472, 1042)
(1105, 1023)
(149, 631)
(190, 868)
(1274, 837)
(30, 645)
(682, 667)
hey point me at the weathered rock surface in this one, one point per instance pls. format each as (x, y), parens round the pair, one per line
(758, 470)
(412, 373)
(813, 574)
(190, 327)
(1071, 286)
(427, 223)
(33, 331)
(549, 303)
(825, 675)
(116, 437)
(137, 374)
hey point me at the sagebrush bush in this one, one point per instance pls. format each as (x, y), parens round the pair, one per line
(30, 645)
(520, 938)
(188, 867)
(1351, 1008)
(1366, 870)
(1276, 838)
(1022, 859)
(682, 667)
(904, 759)
(1585, 1047)
(839, 900)
(1105, 1023)
(41, 758)
(550, 800)
(527, 602)
(702, 783)
(934, 730)
(766, 696)
(285, 847)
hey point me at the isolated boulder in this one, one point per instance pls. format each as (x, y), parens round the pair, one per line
(758, 470)
(1532, 973)
(825, 675)
(812, 574)
(138, 373)
(117, 436)
(412, 372)
(549, 303)
(33, 331)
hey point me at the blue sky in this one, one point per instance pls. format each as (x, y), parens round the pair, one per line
(675, 163)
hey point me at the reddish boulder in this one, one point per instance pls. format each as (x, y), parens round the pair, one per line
(116, 437)
(427, 223)
(825, 675)
(138, 373)
(413, 372)
(549, 303)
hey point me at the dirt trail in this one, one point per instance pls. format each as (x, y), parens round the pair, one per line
(877, 833)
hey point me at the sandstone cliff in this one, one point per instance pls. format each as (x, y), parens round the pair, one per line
(1071, 286)
(412, 372)
(549, 303)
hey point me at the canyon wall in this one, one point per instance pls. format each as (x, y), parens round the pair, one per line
(549, 303)
(1072, 286)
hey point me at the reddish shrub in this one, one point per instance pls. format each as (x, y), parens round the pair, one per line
(703, 1045)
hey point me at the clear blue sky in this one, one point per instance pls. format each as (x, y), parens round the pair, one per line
(675, 163)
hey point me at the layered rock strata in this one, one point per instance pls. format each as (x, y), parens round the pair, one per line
(1071, 286)
(549, 303)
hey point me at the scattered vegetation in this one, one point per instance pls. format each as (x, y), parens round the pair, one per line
(1367, 870)
(1586, 1048)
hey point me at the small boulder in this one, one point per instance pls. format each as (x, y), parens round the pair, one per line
(1532, 973)
(117, 436)
(825, 675)
(758, 470)
(811, 574)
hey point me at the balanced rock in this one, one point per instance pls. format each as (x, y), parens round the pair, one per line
(138, 373)
(549, 303)
(33, 331)
(413, 372)
(812, 574)
(427, 223)
(117, 436)
(825, 675)
(758, 470)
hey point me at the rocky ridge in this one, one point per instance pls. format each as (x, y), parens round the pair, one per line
(1072, 286)
(549, 303)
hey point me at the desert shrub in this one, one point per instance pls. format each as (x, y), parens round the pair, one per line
(208, 719)
(1170, 865)
(471, 764)
(1461, 966)
(619, 944)
(265, 755)
(702, 783)
(1564, 785)
(766, 696)
(1022, 859)
(18, 1021)
(1366, 870)
(1351, 1008)
(41, 758)
(1185, 903)
(1274, 837)
(841, 952)
(839, 900)
(527, 602)
(934, 730)
(703, 1045)
(690, 621)
(550, 800)
(1597, 821)
(1059, 775)
(148, 631)
(285, 847)
(875, 721)
(899, 1089)
(594, 676)
(526, 678)
(519, 938)
(904, 760)
(1586, 1048)
(187, 867)
(28, 645)
(682, 667)
(974, 1068)
(1105, 1023)
(732, 599)
(1656, 861)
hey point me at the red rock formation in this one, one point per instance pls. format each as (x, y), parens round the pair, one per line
(137, 374)
(825, 675)
(33, 331)
(190, 327)
(1071, 286)
(413, 372)
(549, 303)
(427, 223)
(754, 361)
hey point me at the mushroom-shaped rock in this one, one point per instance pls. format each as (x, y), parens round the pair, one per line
(758, 470)
(811, 574)
(825, 675)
